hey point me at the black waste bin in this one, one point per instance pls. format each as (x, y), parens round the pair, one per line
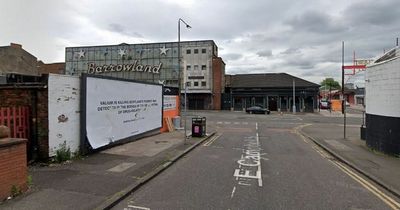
(363, 132)
(198, 126)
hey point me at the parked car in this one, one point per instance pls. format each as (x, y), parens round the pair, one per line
(324, 104)
(257, 110)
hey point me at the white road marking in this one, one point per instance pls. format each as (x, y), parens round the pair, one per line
(259, 165)
(233, 191)
(131, 207)
(245, 123)
(227, 123)
(236, 123)
(250, 158)
(243, 183)
(219, 122)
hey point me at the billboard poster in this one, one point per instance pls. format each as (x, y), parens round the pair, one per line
(169, 103)
(118, 109)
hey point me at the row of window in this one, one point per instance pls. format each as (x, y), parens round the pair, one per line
(196, 84)
(195, 51)
(196, 67)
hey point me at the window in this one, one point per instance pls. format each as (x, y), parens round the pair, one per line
(203, 67)
(196, 84)
(195, 77)
(188, 84)
(203, 51)
(196, 51)
(188, 68)
(203, 84)
(188, 51)
(196, 67)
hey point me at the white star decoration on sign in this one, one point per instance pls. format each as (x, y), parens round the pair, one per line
(163, 50)
(81, 54)
(121, 52)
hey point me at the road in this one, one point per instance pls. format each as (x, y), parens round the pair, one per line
(256, 162)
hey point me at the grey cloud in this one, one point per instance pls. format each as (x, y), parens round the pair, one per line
(316, 22)
(301, 63)
(290, 51)
(115, 27)
(247, 70)
(265, 53)
(378, 13)
(232, 56)
(244, 31)
(308, 73)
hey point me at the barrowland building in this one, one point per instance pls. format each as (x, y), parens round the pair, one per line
(201, 68)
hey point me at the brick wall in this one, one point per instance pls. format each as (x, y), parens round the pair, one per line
(35, 98)
(14, 59)
(55, 68)
(13, 166)
(218, 81)
(43, 124)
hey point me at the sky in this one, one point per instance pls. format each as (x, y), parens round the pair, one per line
(302, 38)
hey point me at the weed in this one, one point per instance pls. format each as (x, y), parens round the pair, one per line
(29, 181)
(63, 153)
(77, 155)
(15, 191)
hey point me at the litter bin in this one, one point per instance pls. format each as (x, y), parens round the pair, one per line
(198, 126)
(177, 122)
(363, 132)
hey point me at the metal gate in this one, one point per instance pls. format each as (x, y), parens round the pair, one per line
(17, 119)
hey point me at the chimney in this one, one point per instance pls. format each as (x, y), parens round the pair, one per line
(14, 45)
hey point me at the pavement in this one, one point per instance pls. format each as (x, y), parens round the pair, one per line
(350, 112)
(101, 180)
(384, 170)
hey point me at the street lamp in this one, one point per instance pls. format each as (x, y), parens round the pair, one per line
(179, 70)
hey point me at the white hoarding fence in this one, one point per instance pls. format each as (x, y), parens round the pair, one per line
(118, 109)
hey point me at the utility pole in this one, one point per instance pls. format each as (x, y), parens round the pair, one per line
(330, 99)
(294, 97)
(343, 98)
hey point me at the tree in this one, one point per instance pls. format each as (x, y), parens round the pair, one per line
(330, 83)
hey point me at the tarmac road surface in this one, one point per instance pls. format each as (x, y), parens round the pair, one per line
(256, 162)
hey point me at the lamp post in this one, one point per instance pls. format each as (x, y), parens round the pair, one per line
(294, 97)
(179, 71)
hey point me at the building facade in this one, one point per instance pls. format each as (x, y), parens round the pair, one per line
(272, 90)
(51, 68)
(200, 67)
(382, 93)
(15, 60)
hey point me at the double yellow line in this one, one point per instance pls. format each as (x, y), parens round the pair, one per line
(367, 185)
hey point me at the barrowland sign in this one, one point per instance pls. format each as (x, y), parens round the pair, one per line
(95, 69)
